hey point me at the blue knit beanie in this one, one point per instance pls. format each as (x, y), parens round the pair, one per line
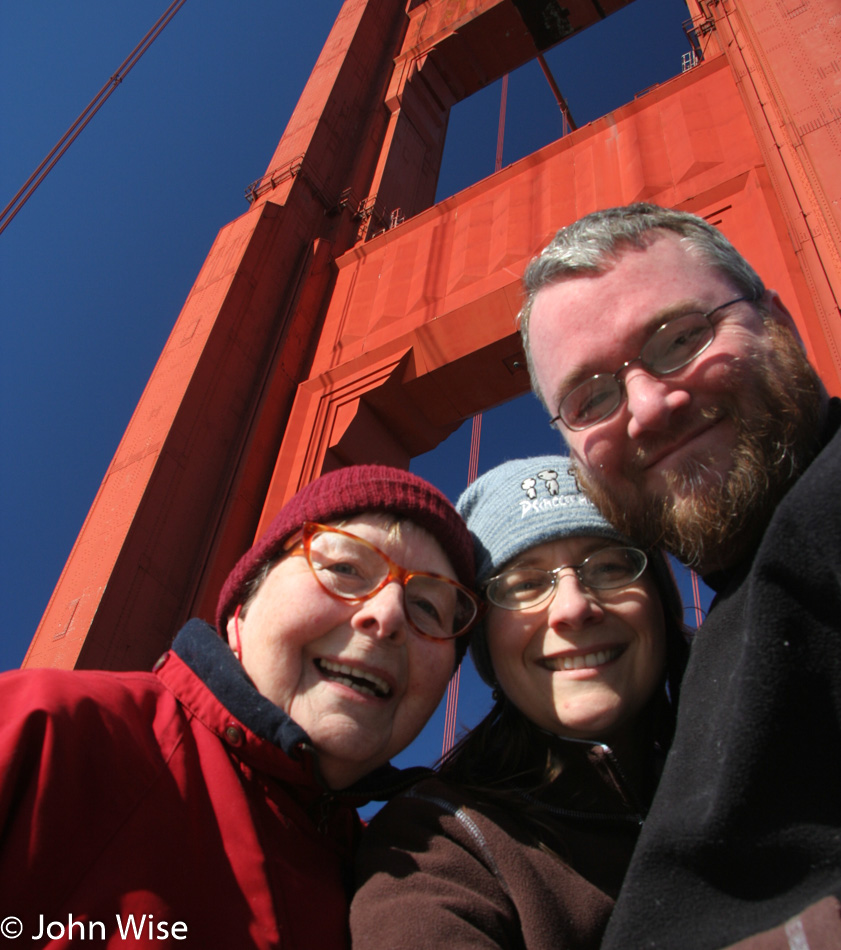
(523, 503)
(516, 506)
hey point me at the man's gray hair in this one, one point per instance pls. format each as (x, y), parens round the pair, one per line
(593, 244)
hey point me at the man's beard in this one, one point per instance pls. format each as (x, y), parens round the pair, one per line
(710, 525)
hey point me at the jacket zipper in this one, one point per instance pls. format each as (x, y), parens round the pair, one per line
(636, 816)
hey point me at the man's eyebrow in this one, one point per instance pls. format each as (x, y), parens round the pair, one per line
(594, 366)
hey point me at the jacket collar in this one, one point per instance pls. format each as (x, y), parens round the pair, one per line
(201, 648)
(209, 657)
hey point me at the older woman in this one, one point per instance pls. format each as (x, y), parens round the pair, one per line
(212, 800)
(523, 838)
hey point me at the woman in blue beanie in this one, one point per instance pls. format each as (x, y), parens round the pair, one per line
(523, 837)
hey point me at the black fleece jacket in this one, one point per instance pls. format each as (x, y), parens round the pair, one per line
(745, 829)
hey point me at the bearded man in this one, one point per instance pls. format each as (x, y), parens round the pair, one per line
(696, 422)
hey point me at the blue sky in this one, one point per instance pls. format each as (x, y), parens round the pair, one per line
(95, 268)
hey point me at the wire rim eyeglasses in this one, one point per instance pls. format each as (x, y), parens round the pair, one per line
(352, 569)
(673, 345)
(522, 588)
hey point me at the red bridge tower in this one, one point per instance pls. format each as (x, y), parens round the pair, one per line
(316, 335)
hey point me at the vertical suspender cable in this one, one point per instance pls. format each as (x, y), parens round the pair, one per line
(566, 116)
(475, 435)
(696, 599)
(473, 464)
(452, 690)
(28, 188)
(452, 710)
(501, 132)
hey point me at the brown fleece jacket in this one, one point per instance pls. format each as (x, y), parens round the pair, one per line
(437, 868)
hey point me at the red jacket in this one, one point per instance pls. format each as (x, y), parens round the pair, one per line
(142, 794)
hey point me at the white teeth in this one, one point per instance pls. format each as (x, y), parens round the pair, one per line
(355, 678)
(580, 662)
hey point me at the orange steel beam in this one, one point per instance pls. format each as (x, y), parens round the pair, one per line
(308, 342)
(428, 310)
(186, 487)
(187, 482)
(784, 58)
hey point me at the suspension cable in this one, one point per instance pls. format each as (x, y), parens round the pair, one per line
(696, 599)
(452, 690)
(28, 188)
(451, 712)
(500, 135)
(566, 115)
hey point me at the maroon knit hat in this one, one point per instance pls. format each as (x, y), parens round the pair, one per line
(342, 494)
